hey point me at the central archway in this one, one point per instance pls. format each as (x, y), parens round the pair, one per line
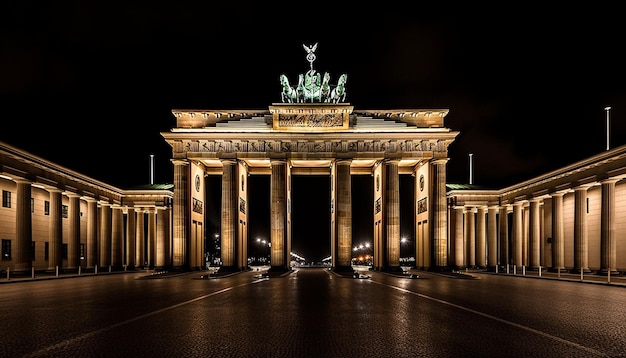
(310, 216)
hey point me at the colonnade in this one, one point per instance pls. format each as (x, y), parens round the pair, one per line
(233, 237)
(575, 229)
(57, 229)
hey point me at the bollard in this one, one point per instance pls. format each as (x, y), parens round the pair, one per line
(608, 275)
(539, 271)
(496, 268)
(523, 270)
(95, 269)
(8, 275)
(109, 268)
(56, 270)
(32, 272)
(581, 274)
(514, 269)
(79, 270)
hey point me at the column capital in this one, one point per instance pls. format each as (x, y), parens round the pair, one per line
(22, 180)
(183, 162)
(584, 187)
(610, 180)
(560, 193)
(228, 161)
(343, 161)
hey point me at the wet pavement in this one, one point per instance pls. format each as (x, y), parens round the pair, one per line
(311, 313)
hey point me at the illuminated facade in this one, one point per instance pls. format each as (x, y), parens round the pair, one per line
(53, 218)
(571, 219)
(290, 139)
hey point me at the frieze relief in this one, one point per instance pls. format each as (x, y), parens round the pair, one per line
(311, 120)
(260, 146)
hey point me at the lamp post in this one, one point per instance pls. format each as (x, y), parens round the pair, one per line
(607, 109)
(471, 168)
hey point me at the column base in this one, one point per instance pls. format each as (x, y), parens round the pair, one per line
(605, 272)
(577, 270)
(343, 270)
(228, 269)
(275, 271)
(393, 269)
(440, 269)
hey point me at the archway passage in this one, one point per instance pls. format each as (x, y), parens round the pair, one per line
(362, 220)
(259, 219)
(310, 216)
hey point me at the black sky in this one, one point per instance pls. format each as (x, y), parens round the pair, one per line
(90, 85)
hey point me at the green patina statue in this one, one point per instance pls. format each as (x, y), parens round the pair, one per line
(312, 86)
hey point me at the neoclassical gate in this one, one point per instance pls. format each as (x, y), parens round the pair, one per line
(313, 130)
(316, 138)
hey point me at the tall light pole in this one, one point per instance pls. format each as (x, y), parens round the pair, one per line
(151, 169)
(471, 169)
(607, 109)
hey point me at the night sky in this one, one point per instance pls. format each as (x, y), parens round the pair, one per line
(90, 85)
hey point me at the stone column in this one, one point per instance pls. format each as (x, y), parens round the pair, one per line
(344, 216)
(73, 241)
(504, 235)
(439, 213)
(581, 245)
(470, 237)
(151, 237)
(392, 216)
(608, 252)
(492, 238)
(22, 259)
(517, 234)
(459, 256)
(481, 260)
(55, 230)
(279, 259)
(229, 215)
(140, 239)
(117, 237)
(131, 237)
(162, 242)
(105, 235)
(557, 231)
(182, 210)
(92, 233)
(535, 234)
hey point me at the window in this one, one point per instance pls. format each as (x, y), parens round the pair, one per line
(46, 207)
(82, 251)
(32, 251)
(6, 249)
(6, 199)
(47, 251)
(32, 205)
(64, 211)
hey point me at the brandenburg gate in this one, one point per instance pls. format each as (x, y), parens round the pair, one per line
(312, 131)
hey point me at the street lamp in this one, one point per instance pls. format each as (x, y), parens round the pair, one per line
(402, 243)
(607, 109)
